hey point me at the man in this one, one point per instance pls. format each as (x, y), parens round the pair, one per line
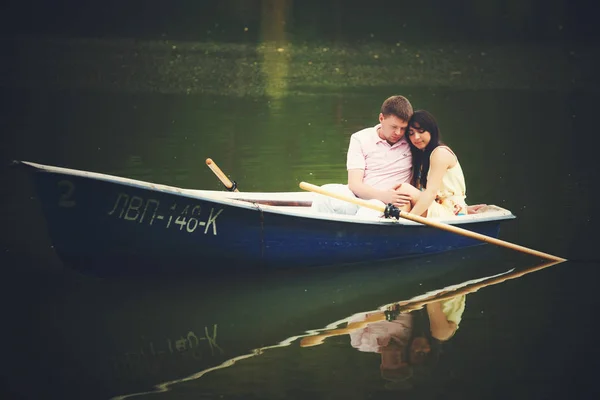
(378, 161)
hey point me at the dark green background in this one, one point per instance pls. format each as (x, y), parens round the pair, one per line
(272, 92)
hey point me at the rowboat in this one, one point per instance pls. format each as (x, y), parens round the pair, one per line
(110, 225)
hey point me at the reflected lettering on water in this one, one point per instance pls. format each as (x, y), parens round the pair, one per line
(155, 357)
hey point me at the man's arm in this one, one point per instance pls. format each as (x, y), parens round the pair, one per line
(356, 170)
(360, 189)
(366, 192)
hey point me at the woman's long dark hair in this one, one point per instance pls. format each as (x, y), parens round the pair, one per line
(422, 328)
(422, 119)
(418, 373)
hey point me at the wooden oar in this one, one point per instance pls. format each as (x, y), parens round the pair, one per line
(229, 185)
(412, 305)
(392, 211)
(314, 340)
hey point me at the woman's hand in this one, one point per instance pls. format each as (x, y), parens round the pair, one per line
(475, 208)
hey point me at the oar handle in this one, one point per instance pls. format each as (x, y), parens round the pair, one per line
(429, 222)
(231, 186)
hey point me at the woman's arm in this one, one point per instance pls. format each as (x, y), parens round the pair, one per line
(441, 328)
(441, 159)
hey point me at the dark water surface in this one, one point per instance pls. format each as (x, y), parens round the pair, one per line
(515, 93)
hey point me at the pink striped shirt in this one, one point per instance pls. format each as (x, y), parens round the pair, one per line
(385, 166)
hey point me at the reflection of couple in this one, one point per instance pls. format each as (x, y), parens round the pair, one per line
(409, 341)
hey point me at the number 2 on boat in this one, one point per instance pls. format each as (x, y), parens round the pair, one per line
(67, 188)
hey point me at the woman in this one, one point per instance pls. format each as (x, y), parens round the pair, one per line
(408, 356)
(438, 185)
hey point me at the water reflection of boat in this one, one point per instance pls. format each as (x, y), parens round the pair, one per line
(130, 336)
(409, 316)
(106, 224)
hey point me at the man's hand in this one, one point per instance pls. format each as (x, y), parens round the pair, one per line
(397, 199)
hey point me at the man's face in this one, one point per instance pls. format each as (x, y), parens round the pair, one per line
(392, 128)
(392, 355)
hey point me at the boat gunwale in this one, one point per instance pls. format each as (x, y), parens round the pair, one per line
(252, 200)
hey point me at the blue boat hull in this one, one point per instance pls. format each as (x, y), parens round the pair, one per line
(109, 227)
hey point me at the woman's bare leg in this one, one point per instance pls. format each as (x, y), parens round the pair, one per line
(410, 190)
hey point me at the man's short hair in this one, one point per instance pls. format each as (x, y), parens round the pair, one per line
(398, 106)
